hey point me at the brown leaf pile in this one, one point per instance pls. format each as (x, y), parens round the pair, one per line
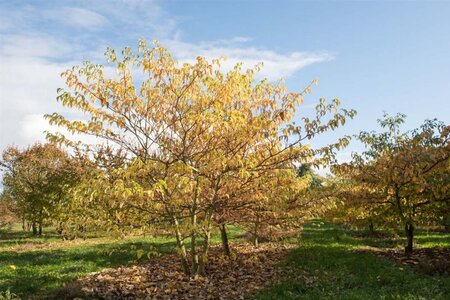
(425, 260)
(162, 278)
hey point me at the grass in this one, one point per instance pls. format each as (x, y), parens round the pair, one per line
(32, 271)
(327, 265)
(31, 265)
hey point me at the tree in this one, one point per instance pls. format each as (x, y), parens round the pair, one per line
(197, 141)
(7, 217)
(36, 180)
(401, 177)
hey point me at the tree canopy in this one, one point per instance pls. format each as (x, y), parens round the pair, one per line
(402, 177)
(196, 143)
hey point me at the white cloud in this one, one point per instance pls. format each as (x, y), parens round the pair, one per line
(76, 17)
(28, 45)
(32, 57)
(27, 86)
(275, 66)
(138, 18)
(32, 127)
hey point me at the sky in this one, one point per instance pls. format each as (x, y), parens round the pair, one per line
(374, 56)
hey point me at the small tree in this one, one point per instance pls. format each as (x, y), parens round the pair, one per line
(401, 176)
(7, 216)
(192, 135)
(36, 180)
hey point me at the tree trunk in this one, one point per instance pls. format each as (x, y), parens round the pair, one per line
(34, 227)
(40, 228)
(371, 228)
(409, 230)
(447, 228)
(224, 236)
(204, 257)
(181, 247)
(255, 241)
(194, 263)
(256, 232)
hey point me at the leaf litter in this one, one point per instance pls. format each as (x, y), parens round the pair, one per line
(248, 270)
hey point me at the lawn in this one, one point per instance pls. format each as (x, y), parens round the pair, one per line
(329, 263)
(33, 266)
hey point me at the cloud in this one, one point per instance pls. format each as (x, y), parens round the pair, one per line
(38, 42)
(76, 17)
(137, 18)
(275, 65)
(32, 127)
(28, 45)
(27, 87)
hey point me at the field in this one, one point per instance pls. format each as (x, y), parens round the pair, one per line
(327, 262)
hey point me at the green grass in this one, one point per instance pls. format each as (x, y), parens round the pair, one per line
(328, 265)
(31, 265)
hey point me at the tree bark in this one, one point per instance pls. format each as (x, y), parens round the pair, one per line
(40, 228)
(255, 241)
(194, 263)
(447, 228)
(409, 230)
(207, 240)
(181, 247)
(256, 232)
(224, 236)
(33, 226)
(371, 228)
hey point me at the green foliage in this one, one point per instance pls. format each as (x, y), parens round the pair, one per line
(7, 295)
(36, 181)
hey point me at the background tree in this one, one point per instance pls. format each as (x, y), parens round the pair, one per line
(401, 176)
(36, 180)
(7, 216)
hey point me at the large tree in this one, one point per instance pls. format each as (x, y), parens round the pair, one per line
(402, 177)
(197, 141)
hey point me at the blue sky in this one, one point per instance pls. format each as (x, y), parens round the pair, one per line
(374, 56)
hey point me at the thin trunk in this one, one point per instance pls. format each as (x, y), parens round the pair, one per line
(255, 241)
(206, 243)
(256, 232)
(181, 247)
(224, 236)
(33, 226)
(371, 228)
(23, 223)
(194, 263)
(409, 230)
(40, 228)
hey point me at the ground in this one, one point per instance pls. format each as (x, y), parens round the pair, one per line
(327, 262)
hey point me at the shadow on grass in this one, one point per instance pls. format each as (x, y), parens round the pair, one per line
(37, 272)
(324, 266)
